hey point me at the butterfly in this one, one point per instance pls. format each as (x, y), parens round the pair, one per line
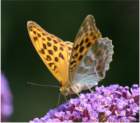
(79, 65)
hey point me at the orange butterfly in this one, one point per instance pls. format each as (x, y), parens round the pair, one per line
(77, 66)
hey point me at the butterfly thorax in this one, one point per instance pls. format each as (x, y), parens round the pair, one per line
(74, 88)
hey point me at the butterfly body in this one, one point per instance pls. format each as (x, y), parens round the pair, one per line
(79, 65)
(73, 89)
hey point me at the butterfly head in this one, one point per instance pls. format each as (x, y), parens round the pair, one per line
(65, 91)
(71, 89)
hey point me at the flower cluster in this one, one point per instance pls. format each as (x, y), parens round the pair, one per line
(6, 99)
(106, 104)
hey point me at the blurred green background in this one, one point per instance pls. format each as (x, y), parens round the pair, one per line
(117, 19)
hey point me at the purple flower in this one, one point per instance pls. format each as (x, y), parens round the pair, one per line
(107, 104)
(6, 99)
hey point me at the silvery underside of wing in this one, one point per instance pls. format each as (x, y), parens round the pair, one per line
(94, 64)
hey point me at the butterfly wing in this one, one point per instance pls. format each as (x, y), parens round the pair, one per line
(102, 52)
(94, 64)
(52, 50)
(69, 49)
(86, 37)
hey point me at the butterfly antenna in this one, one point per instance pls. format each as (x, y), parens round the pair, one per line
(42, 85)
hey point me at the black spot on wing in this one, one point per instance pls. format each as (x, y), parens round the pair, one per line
(49, 38)
(61, 56)
(49, 44)
(42, 51)
(55, 48)
(35, 38)
(50, 52)
(44, 46)
(81, 49)
(48, 58)
(56, 59)
(80, 57)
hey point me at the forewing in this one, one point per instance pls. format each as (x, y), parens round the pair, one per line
(86, 37)
(52, 50)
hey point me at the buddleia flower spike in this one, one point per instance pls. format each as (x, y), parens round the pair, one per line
(113, 103)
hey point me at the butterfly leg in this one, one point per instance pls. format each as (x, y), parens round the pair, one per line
(59, 98)
(89, 89)
(77, 94)
(65, 98)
